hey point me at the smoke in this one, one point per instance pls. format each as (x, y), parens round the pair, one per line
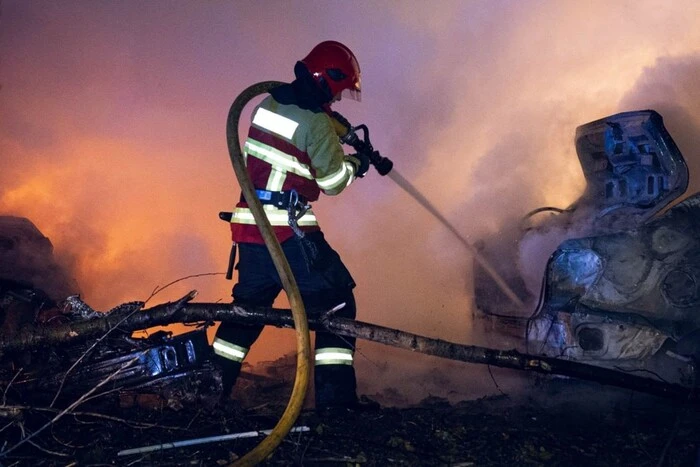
(669, 87)
(112, 138)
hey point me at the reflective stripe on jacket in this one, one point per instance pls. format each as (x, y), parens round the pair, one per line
(291, 148)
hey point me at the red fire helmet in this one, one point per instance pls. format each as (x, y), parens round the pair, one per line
(334, 65)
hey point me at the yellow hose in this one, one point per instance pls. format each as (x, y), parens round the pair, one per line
(301, 381)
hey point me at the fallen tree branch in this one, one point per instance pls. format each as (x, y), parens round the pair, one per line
(34, 336)
(181, 311)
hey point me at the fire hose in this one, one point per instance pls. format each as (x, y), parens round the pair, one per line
(301, 380)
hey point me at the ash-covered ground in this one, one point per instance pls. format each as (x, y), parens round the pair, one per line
(554, 422)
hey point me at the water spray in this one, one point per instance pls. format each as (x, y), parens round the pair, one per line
(386, 167)
(411, 190)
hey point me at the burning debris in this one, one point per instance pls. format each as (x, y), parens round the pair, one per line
(160, 370)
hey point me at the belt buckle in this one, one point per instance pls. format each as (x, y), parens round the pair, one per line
(293, 199)
(264, 195)
(295, 206)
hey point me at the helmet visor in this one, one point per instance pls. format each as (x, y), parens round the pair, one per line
(354, 92)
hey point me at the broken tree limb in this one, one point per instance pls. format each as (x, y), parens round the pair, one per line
(181, 311)
(81, 330)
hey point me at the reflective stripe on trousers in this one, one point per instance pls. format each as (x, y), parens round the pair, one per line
(333, 356)
(228, 350)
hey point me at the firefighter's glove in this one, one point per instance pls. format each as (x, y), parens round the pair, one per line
(361, 162)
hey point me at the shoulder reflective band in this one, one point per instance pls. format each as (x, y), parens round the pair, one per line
(333, 356)
(277, 158)
(229, 350)
(275, 123)
(340, 177)
(276, 217)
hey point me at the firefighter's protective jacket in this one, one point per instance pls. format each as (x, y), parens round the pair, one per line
(289, 147)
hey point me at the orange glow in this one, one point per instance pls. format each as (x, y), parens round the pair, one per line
(113, 115)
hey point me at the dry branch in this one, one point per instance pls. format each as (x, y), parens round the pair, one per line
(181, 311)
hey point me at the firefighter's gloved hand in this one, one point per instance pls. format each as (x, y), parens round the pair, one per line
(361, 162)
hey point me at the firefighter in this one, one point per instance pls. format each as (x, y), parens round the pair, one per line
(293, 153)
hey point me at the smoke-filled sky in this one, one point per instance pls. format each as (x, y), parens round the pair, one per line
(112, 134)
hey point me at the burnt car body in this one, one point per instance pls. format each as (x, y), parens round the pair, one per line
(621, 288)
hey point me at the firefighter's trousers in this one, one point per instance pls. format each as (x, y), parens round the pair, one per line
(322, 285)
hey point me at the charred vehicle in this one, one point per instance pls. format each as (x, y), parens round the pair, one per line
(621, 285)
(158, 370)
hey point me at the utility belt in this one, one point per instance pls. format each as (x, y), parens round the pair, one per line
(291, 201)
(280, 199)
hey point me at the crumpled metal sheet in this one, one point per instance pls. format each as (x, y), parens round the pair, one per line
(632, 166)
(168, 359)
(652, 272)
(585, 337)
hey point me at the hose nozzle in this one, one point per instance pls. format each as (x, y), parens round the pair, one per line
(348, 135)
(382, 164)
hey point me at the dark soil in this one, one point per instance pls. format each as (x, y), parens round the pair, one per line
(560, 422)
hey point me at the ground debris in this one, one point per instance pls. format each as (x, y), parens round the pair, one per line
(622, 429)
